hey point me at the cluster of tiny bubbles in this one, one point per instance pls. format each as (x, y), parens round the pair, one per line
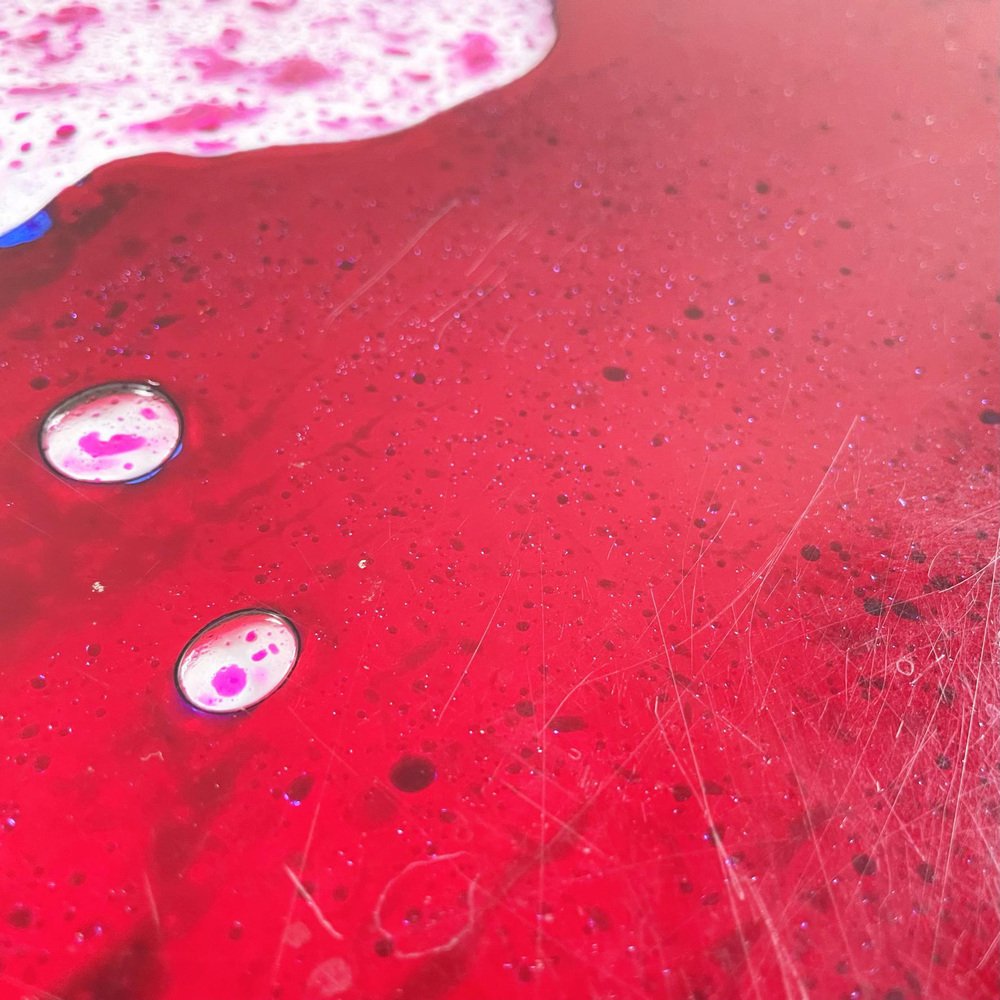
(122, 432)
(237, 661)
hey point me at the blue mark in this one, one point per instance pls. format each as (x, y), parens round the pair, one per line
(38, 225)
(157, 470)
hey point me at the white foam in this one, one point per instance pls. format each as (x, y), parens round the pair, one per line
(84, 84)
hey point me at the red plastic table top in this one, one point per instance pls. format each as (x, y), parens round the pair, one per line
(623, 446)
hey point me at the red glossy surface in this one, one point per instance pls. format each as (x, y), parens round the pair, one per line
(534, 420)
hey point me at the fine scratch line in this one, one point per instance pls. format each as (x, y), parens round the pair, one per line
(475, 652)
(312, 904)
(383, 271)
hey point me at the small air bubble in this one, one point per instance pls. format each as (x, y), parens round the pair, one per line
(220, 670)
(105, 434)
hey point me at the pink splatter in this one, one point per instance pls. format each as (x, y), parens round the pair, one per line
(259, 655)
(299, 71)
(148, 412)
(213, 66)
(94, 446)
(230, 680)
(478, 52)
(201, 118)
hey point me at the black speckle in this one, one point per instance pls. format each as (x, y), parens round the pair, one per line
(810, 552)
(19, 916)
(764, 278)
(615, 374)
(299, 788)
(864, 864)
(562, 498)
(567, 724)
(383, 947)
(943, 761)
(906, 610)
(412, 774)
(762, 187)
(132, 969)
(926, 872)
(525, 709)
(895, 995)
(346, 265)
(991, 417)
(419, 377)
(682, 793)
(693, 312)
(845, 223)
(39, 382)
(159, 322)
(873, 606)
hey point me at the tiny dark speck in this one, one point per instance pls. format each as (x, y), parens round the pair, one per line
(39, 382)
(419, 378)
(991, 417)
(525, 709)
(845, 223)
(693, 312)
(762, 187)
(412, 774)
(615, 374)
(19, 916)
(906, 610)
(810, 552)
(864, 864)
(895, 995)
(926, 871)
(159, 322)
(873, 606)
(567, 724)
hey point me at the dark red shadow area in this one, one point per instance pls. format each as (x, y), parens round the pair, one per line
(623, 446)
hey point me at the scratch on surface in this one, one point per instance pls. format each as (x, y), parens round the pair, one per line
(967, 741)
(452, 941)
(385, 269)
(36, 993)
(479, 645)
(149, 756)
(153, 908)
(305, 853)
(313, 906)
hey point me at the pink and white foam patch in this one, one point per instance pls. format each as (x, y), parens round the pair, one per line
(116, 433)
(237, 661)
(84, 84)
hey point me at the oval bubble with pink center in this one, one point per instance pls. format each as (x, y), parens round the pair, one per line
(122, 432)
(237, 661)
